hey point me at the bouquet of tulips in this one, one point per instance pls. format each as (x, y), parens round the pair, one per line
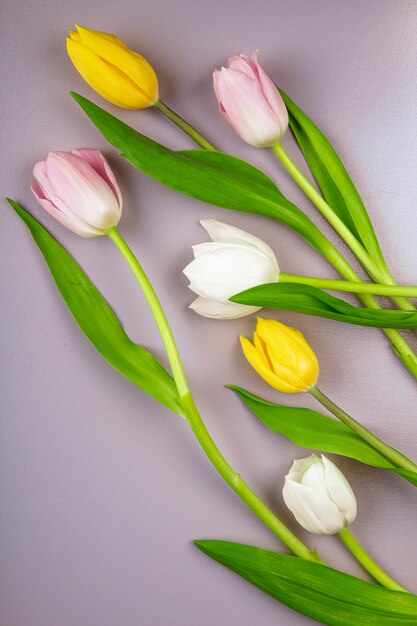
(234, 275)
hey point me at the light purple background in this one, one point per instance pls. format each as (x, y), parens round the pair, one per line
(102, 489)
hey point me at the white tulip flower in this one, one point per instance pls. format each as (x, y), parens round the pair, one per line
(319, 496)
(233, 261)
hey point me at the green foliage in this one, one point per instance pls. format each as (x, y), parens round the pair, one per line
(322, 593)
(211, 176)
(98, 321)
(312, 301)
(334, 181)
(316, 431)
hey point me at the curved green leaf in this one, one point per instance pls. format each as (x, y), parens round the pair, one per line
(311, 429)
(98, 321)
(316, 431)
(210, 176)
(334, 181)
(312, 301)
(322, 593)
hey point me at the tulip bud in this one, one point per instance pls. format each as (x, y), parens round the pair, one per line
(233, 261)
(319, 496)
(250, 101)
(117, 73)
(282, 356)
(79, 190)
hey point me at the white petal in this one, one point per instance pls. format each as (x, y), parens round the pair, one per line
(300, 466)
(220, 232)
(220, 271)
(340, 490)
(312, 510)
(221, 310)
(315, 478)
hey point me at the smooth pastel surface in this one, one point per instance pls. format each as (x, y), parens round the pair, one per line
(102, 490)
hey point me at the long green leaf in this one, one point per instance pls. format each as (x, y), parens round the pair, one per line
(322, 593)
(313, 430)
(334, 181)
(312, 301)
(213, 177)
(98, 321)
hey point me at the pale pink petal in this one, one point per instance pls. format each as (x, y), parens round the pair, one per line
(82, 190)
(246, 109)
(216, 76)
(271, 93)
(103, 169)
(242, 63)
(72, 223)
(42, 189)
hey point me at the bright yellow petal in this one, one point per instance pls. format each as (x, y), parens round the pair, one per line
(127, 61)
(290, 356)
(108, 81)
(260, 346)
(108, 36)
(74, 35)
(258, 363)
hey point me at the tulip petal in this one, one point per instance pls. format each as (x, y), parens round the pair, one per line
(315, 478)
(108, 36)
(339, 489)
(300, 467)
(221, 310)
(290, 354)
(220, 232)
(132, 65)
(42, 190)
(216, 88)
(271, 93)
(245, 108)
(100, 165)
(72, 223)
(257, 360)
(241, 63)
(105, 78)
(221, 270)
(312, 510)
(83, 191)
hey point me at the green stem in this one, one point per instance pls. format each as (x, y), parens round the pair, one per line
(233, 479)
(322, 205)
(157, 311)
(351, 287)
(398, 343)
(185, 126)
(400, 346)
(236, 482)
(341, 228)
(365, 560)
(398, 459)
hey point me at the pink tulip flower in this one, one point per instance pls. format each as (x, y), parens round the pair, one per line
(79, 190)
(250, 102)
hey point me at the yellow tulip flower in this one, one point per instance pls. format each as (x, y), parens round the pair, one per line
(117, 73)
(281, 356)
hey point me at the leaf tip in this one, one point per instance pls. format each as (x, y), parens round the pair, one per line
(200, 544)
(13, 204)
